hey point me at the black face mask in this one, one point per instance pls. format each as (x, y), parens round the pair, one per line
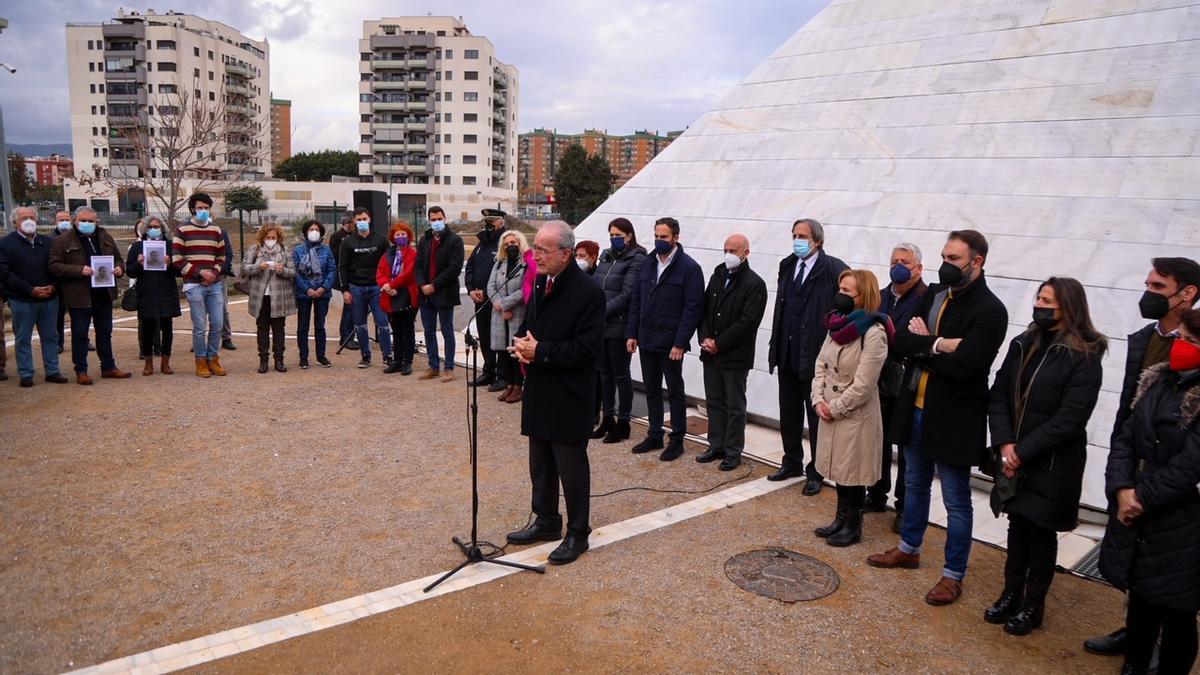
(952, 275)
(1154, 306)
(843, 304)
(1043, 317)
(512, 252)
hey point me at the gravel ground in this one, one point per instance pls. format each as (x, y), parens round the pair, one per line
(142, 512)
(660, 602)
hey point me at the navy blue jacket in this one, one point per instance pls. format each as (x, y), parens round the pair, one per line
(25, 264)
(328, 270)
(665, 312)
(798, 327)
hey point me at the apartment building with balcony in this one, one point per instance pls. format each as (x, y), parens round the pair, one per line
(120, 70)
(436, 108)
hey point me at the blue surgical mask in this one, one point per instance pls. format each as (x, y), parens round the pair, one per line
(662, 247)
(802, 247)
(617, 243)
(154, 233)
(86, 229)
(364, 226)
(64, 225)
(437, 225)
(900, 274)
(202, 215)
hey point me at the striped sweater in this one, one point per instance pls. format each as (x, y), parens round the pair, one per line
(198, 248)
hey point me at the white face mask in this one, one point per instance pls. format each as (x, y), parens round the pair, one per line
(314, 236)
(583, 264)
(270, 243)
(732, 261)
(29, 226)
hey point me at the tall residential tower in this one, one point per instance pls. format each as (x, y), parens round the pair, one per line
(119, 70)
(436, 107)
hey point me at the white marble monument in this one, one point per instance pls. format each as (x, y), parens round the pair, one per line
(1064, 130)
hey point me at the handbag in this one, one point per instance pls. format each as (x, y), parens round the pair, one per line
(891, 378)
(1005, 488)
(129, 299)
(241, 283)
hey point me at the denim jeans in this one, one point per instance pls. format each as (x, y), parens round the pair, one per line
(431, 317)
(956, 495)
(304, 308)
(366, 300)
(207, 304)
(100, 314)
(44, 315)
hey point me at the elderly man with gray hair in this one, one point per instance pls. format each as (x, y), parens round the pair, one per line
(900, 299)
(71, 257)
(25, 279)
(559, 344)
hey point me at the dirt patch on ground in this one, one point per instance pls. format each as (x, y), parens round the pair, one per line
(139, 513)
(660, 602)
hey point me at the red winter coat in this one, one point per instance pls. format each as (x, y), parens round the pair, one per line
(406, 280)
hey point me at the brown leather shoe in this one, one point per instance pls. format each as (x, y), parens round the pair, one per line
(429, 374)
(448, 376)
(944, 592)
(165, 366)
(214, 365)
(895, 558)
(202, 368)
(503, 397)
(115, 374)
(148, 369)
(83, 378)
(515, 396)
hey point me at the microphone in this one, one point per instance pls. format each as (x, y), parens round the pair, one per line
(522, 265)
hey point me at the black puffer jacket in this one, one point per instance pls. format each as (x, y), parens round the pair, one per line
(1050, 428)
(1158, 455)
(617, 274)
(157, 291)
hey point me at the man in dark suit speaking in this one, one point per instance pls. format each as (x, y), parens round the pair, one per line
(559, 345)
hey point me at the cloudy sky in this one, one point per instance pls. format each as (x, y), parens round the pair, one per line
(615, 64)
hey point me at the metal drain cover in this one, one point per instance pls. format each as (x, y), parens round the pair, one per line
(782, 574)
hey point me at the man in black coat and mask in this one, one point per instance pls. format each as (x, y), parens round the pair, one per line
(734, 304)
(559, 345)
(478, 269)
(941, 414)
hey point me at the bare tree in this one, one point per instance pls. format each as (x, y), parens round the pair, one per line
(212, 144)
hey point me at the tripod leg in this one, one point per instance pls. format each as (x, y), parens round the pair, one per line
(540, 569)
(447, 575)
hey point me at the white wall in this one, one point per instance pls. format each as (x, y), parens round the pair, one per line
(1065, 131)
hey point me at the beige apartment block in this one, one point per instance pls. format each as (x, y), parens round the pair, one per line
(437, 107)
(120, 69)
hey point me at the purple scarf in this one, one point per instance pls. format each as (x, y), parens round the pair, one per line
(850, 327)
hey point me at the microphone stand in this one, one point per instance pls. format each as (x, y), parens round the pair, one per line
(470, 548)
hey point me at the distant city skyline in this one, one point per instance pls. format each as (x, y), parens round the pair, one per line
(622, 66)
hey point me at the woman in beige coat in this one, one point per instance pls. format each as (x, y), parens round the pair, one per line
(845, 394)
(271, 271)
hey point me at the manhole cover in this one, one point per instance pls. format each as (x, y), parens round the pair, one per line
(782, 574)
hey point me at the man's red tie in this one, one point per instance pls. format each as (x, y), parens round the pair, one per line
(549, 285)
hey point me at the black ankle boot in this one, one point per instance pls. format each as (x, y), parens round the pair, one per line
(1026, 619)
(619, 432)
(262, 364)
(839, 520)
(1006, 606)
(851, 532)
(605, 424)
(279, 364)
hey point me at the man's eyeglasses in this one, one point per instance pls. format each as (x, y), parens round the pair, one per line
(548, 251)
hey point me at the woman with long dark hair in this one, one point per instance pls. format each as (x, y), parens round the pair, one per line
(1041, 400)
(1152, 545)
(157, 294)
(617, 273)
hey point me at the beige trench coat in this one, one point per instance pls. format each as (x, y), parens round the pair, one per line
(850, 448)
